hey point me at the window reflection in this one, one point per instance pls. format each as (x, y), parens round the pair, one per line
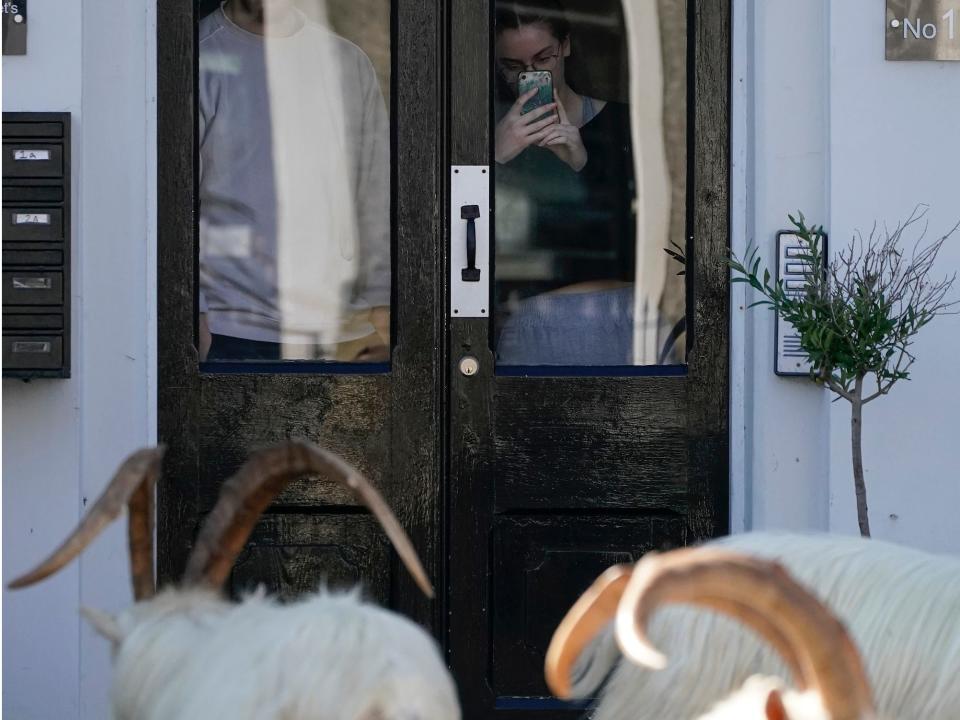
(590, 188)
(294, 181)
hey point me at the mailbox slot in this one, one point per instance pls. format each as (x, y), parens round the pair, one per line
(32, 352)
(33, 193)
(32, 257)
(36, 321)
(32, 288)
(32, 129)
(32, 160)
(32, 224)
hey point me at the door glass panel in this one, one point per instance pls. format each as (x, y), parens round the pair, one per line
(294, 186)
(590, 193)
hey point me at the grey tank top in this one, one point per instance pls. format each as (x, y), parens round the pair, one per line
(589, 110)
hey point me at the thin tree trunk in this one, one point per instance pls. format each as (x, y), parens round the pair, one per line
(856, 436)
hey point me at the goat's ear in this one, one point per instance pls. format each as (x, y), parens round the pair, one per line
(774, 709)
(104, 623)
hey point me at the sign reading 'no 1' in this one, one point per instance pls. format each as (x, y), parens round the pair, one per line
(923, 29)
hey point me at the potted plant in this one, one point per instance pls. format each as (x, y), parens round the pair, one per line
(857, 318)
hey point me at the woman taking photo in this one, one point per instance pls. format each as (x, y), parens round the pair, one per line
(564, 191)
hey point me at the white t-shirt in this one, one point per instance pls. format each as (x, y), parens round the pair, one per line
(294, 184)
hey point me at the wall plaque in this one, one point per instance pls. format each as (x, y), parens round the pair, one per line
(14, 27)
(923, 29)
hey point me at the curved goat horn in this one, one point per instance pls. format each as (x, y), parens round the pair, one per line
(598, 606)
(763, 596)
(589, 614)
(248, 493)
(131, 486)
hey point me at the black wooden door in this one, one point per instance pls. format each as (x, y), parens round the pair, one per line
(554, 473)
(384, 418)
(517, 488)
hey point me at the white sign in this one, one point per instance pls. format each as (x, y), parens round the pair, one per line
(35, 346)
(31, 218)
(32, 283)
(31, 154)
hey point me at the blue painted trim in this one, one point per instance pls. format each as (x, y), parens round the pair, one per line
(300, 367)
(293, 367)
(589, 371)
(539, 703)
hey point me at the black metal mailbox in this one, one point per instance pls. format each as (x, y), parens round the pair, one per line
(32, 159)
(36, 245)
(32, 223)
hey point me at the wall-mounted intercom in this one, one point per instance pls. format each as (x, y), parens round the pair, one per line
(793, 268)
(36, 245)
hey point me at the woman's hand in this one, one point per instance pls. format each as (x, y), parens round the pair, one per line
(564, 140)
(516, 132)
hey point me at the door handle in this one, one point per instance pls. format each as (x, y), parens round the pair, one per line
(469, 249)
(470, 213)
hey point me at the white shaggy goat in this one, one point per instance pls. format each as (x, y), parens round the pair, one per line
(901, 607)
(767, 698)
(759, 593)
(189, 653)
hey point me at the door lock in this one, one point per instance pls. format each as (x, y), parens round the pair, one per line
(469, 365)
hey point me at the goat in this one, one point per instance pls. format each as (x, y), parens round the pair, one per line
(761, 594)
(900, 605)
(187, 652)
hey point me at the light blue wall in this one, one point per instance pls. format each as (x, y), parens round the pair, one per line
(895, 142)
(41, 429)
(825, 124)
(63, 438)
(780, 464)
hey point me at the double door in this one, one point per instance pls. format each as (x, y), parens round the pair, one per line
(519, 475)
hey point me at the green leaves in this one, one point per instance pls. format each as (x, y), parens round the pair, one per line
(859, 315)
(677, 255)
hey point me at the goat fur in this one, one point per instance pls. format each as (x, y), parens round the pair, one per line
(750, 702)
(190, 654)
(901, 606)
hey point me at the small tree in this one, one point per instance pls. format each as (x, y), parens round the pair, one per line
(857, 319)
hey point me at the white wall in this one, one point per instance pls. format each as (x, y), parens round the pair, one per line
(895, 142)
(779, 473)
(825, 124)
(63, 438)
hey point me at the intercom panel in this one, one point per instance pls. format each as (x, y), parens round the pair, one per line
(793, 269)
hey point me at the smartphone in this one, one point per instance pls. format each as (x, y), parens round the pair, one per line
(542, 80)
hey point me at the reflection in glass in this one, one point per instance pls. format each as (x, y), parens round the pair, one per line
(294, 180)
(591, 190)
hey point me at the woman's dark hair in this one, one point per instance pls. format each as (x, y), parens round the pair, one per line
(515, 14)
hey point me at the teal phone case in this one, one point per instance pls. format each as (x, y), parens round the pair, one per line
(540, 79)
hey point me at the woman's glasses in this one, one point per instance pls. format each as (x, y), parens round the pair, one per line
(511, 69)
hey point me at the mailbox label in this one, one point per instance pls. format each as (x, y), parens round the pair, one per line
(31, 218)
(35, 154)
